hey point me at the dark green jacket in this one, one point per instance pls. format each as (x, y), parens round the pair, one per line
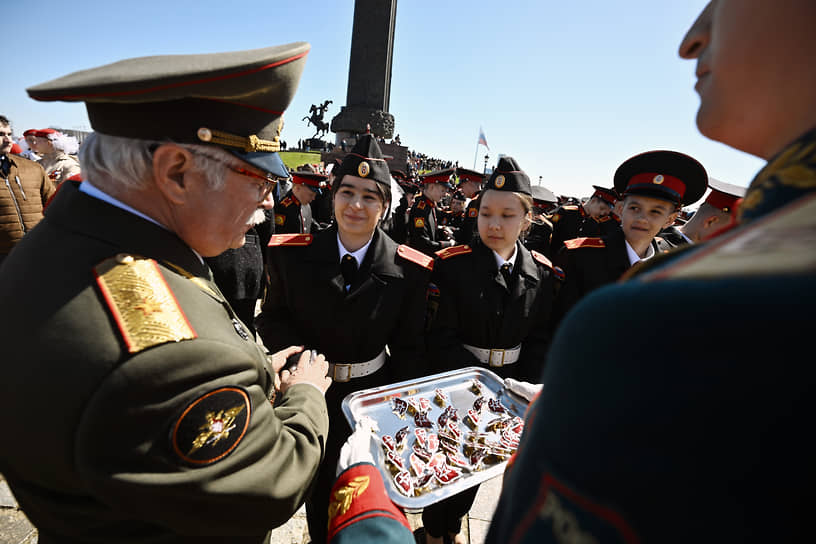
(101, 445)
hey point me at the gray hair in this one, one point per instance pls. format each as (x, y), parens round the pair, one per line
(127, 163)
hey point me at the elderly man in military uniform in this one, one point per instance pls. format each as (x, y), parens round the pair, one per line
(143, 410)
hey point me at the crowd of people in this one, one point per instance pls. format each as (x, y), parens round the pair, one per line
(651, 344)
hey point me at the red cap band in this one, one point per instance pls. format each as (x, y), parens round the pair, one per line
(309, 180)
(722, 201)
(44, 133)
(664, 182)
(606, 197)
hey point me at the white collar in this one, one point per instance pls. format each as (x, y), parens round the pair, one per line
(633, 257)
(512, 260)
(95, 192)
(358, 255)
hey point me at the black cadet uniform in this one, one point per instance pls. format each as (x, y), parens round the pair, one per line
(309, 303)
(292, 217)
(541, 229)
(590, 262)
(423, 221)
(153, 421)
(467, 231)
(488, 319)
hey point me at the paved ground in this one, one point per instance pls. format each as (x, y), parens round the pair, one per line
(16, 529)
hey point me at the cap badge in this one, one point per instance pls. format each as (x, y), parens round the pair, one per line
(363, 169)
(658, 179)
(499, 182)
(204, 134)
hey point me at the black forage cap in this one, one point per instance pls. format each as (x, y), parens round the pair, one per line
(233, 100)
(668, 175)
(508, 176)
(366, 161)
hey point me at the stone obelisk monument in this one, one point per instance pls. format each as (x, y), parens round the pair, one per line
(369, 83)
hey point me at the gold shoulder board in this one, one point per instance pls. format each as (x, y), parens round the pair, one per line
(141, 302)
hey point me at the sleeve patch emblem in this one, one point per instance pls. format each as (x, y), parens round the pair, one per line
(473, 212)
(419, 222)
(211, 426)
(343, 497)
(280, 219)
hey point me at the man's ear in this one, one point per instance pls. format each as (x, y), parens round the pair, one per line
(672, 218)
(711, 222)
(170, 163)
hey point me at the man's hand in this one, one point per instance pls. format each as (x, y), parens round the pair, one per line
(357, 448)
(311, 368)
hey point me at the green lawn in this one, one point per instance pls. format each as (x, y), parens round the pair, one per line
(293, 159)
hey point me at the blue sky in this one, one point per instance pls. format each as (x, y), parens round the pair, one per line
(570, 89)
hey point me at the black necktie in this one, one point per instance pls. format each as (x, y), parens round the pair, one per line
(506, 270)
(348, 266)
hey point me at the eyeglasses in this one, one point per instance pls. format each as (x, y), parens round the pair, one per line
(267, 183)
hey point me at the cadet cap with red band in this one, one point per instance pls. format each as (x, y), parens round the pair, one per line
(314, 181)
(469, 175)
(667, 175)
(724, 196)
(233, 100)
(442, 177)
(607, 195)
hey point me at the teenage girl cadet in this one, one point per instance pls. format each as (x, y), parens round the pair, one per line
(495, 300)
(348, 292)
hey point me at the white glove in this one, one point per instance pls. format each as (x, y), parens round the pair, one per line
(525, 390)
(357, 448)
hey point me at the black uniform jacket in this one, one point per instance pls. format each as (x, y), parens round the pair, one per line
(292, 217)
(538, 237)
(115, 434)
(478, 308)
(468, 230)
(307, 304)
(589, 263)
(422, 223)
(566, 221)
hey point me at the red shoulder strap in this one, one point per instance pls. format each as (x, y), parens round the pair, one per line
(575, 243)
(449, 252)
(290, 240)
(410, 254)
(546, 262)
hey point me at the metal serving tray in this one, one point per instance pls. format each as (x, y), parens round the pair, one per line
(377, 403)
